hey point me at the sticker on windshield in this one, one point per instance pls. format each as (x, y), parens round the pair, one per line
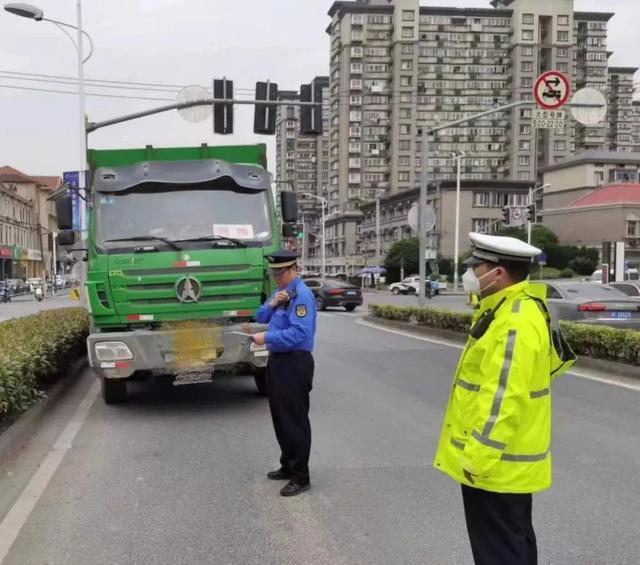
(234, 231)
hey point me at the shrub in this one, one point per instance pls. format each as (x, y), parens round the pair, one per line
(566, 274)
(583, 265)
(599, 342)
(548, 273)
(35, 351)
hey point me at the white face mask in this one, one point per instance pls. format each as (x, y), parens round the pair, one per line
(471, 283)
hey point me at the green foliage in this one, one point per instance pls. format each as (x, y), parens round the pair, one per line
(599, 342)
(34, 351)
(541, 237)
(583, 265)
(406, 250)
(567, 274)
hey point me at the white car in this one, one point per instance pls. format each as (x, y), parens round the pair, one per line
(402, 288)
(410, 285)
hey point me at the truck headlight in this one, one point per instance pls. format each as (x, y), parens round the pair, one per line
(112, 351)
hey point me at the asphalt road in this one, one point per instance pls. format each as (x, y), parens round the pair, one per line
(182, 480)
(24, 305)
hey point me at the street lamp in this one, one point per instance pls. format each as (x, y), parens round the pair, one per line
(325, 204)
(458, 156)
(34, 13)
(532, 192)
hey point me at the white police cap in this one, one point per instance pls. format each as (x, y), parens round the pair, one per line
(496, 248)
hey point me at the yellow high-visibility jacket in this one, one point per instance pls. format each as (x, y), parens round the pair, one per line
(498, 419)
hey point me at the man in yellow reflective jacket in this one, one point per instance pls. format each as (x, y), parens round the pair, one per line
(496, 432)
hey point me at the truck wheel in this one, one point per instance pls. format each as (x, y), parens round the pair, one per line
(114, 391)
(260, 376)
(396, 291)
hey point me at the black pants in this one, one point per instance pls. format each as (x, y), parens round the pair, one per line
(289, 382)
(500, 527)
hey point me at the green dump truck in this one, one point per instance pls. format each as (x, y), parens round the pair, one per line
(177, 239)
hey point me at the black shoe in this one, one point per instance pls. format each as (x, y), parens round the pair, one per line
(279, 475)
(293, 488)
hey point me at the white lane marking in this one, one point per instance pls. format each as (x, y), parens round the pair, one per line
(580, 375)
(18, 515)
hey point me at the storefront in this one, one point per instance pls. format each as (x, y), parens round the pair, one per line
(33, 259)
(6, 262)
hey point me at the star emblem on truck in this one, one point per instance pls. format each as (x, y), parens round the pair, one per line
(188, 290)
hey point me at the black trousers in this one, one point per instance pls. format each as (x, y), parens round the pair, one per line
(289, 382)
(500, 527)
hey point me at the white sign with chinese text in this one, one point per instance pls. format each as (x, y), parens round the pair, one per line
(549, 119)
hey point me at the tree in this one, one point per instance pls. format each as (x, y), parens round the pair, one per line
(402, 252)
(541, 237)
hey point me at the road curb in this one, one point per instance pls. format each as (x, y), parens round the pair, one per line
(17, 434)
(601, 365)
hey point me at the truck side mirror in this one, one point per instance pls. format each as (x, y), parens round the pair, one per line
(289, 206)
(66, 238)
(64, 211)
(288, 230)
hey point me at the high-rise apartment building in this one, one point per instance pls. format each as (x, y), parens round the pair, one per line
(302, 165)
(396, 66)
(620, 110)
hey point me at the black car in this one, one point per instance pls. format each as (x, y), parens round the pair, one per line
(331, 292)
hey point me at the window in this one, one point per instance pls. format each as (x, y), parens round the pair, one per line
(553, 292)
(356, 51)
(525, 130)
(404, 161)
(563, 36)
(563, 51)
(527, 66)
(562, 67)
(404, 145)
(599, 178)
(527, 35)
(406, 80)
(563, 20)
(481, 199)
(632, 228)
(525, 113)
(480, 225)
(403, 176)
(524, 145)
(527, 51)
(406, 65)
(405, 113)
(407, 49)
(526, 82)
(559, 145)
(405, 129)
(524, 160)
(527, 19)
(407, 32)
(408, 15)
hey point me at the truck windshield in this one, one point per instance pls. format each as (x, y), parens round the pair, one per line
(179, 213)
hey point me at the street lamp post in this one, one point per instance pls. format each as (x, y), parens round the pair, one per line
(458, 156)
(34, 13)
(325, 204)
(530, 200)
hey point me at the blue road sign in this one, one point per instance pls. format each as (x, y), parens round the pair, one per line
(73, 179)
(542, 259)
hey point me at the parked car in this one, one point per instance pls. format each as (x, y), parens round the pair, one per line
(17, 286)
(333, 292)
(593, 303)
(414, 282)
(630, 288)
(596, 276)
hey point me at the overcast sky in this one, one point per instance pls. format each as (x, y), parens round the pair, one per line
(178, 42)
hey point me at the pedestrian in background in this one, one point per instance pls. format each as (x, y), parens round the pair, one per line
(291, 315)
(496, 434)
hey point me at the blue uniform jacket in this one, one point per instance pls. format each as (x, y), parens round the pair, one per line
(292, 327)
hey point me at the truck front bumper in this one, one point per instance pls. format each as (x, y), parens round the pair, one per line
(148, 350)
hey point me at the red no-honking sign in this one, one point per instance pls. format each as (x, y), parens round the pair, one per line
(551, 90)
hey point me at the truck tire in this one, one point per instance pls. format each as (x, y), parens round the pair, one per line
(260, 377)
(114, 391)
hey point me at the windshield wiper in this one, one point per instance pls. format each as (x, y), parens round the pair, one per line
(215, 238)
(164, 240)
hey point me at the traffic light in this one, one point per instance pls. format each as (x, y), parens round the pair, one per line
(223, 113)
(531, 213)
(264, 117)
(311, 116)
(506, 215)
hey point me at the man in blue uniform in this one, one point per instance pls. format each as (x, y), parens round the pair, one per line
(291, 315)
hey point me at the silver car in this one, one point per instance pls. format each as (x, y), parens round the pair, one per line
(593, 303)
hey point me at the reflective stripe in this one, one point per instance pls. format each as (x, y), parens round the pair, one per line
(525, 458)
(515, 309)
(457, 443)
(488, 442)
(502, 385)
(468, 386)
(539, 393)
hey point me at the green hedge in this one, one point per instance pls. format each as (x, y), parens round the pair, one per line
(35, 351)
(599, 342)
